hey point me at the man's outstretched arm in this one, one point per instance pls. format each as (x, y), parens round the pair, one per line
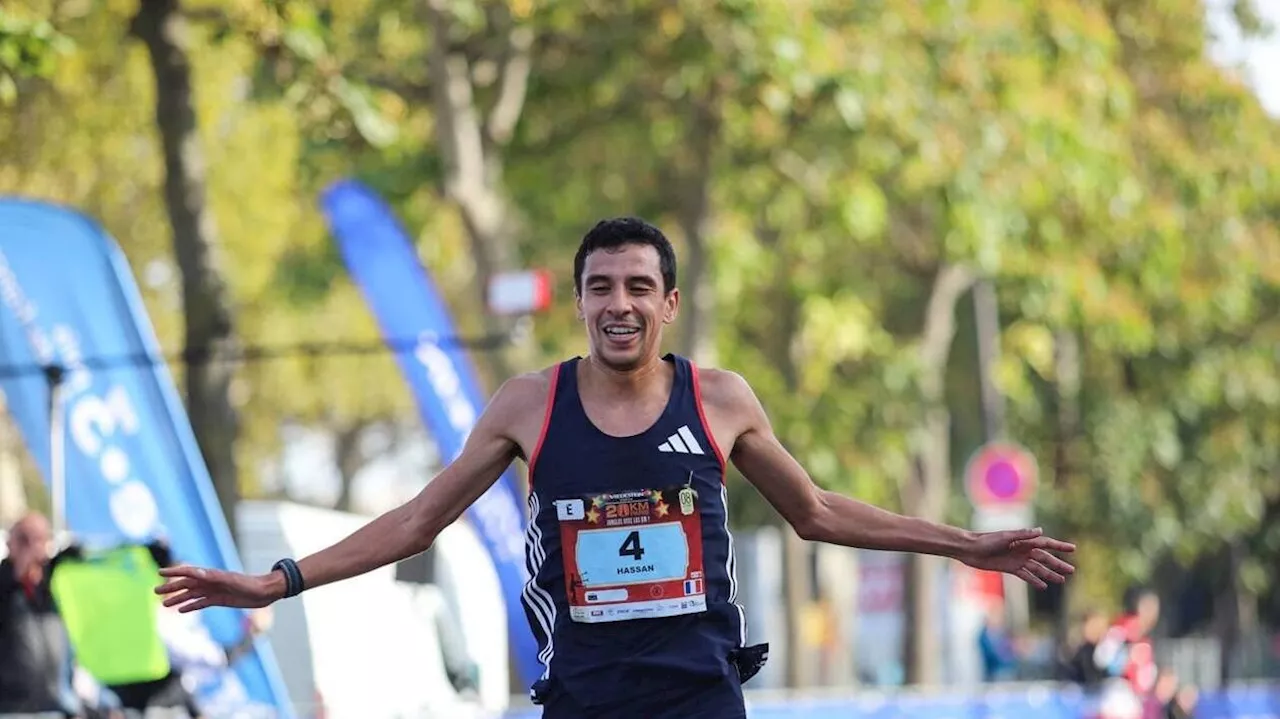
(824, 516)
(412, 527)
(396, 535)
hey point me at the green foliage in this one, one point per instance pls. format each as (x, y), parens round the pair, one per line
(87, 139)
(1176, 309)
(28, 49)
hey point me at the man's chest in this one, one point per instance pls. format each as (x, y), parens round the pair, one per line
(692, 441)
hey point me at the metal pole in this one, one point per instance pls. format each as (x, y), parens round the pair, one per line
(57, 450)
(986, 315)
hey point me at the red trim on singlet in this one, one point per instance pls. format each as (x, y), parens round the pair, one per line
(546, 424)
(702, 415)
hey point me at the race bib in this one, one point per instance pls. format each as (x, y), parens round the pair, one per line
(632, 555)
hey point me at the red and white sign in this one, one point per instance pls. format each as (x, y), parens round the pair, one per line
(520, 293)
(1000, 480)
(1001, 474)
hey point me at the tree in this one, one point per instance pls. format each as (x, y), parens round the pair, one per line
(73, 140)
(1157, 322)
(950, 162)
(636, 131)
(29, 49)
(207, 311)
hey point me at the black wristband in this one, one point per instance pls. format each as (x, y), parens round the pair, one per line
(293, 585)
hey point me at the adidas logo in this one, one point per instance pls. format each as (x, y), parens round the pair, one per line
(682, 442)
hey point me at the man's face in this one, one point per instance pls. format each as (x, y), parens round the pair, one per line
(30, 543)
(1149, 612)
(623, 304)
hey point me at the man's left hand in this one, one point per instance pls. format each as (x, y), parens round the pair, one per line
(1024, 553)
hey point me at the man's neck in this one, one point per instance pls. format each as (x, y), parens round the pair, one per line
(634, 382)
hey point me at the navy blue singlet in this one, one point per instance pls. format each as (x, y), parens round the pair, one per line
(626, 625)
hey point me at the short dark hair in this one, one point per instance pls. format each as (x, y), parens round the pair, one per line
(620, 231)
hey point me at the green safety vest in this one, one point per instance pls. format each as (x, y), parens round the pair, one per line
(108, 602)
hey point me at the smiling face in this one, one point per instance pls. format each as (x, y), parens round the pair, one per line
(624, 304)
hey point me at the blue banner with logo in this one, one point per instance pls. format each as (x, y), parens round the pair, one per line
(383, 264)
(133, 469)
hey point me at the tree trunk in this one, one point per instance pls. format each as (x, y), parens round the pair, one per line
(210, 330)
(1067, 372)
(801, 664)
(471, 147)
(926, 493)
(693, 202)
(1234, 610)
(350, 460)
(986, 314)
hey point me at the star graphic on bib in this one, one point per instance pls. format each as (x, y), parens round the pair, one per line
(593, 516)
(662, 508)
(597, 501)
(655, 495)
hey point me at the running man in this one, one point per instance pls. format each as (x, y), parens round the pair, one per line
(632, 590)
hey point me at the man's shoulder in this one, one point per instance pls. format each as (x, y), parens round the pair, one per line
(723, 388)
(527, 391)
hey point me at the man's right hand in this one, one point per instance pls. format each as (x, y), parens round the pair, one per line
(194, 588)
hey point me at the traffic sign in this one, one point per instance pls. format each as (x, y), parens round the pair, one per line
(1000, 480)
(1001, 475)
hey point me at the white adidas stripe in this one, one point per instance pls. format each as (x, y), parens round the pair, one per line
(538, 599)
(676, 444)
(731, 566)
(689, 440)
(682, 442)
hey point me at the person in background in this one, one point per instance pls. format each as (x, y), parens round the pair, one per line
(1171, 699)
(1084, 667)
(997, 649)
(37, 665)
(193, 654)
(999, 653)
(1128, 641)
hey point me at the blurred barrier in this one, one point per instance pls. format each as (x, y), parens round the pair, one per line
(1041, 701)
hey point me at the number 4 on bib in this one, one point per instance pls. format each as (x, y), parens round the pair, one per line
(631, 547)
(632, 555)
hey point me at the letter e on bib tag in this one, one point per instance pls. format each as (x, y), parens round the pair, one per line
(632, 555)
